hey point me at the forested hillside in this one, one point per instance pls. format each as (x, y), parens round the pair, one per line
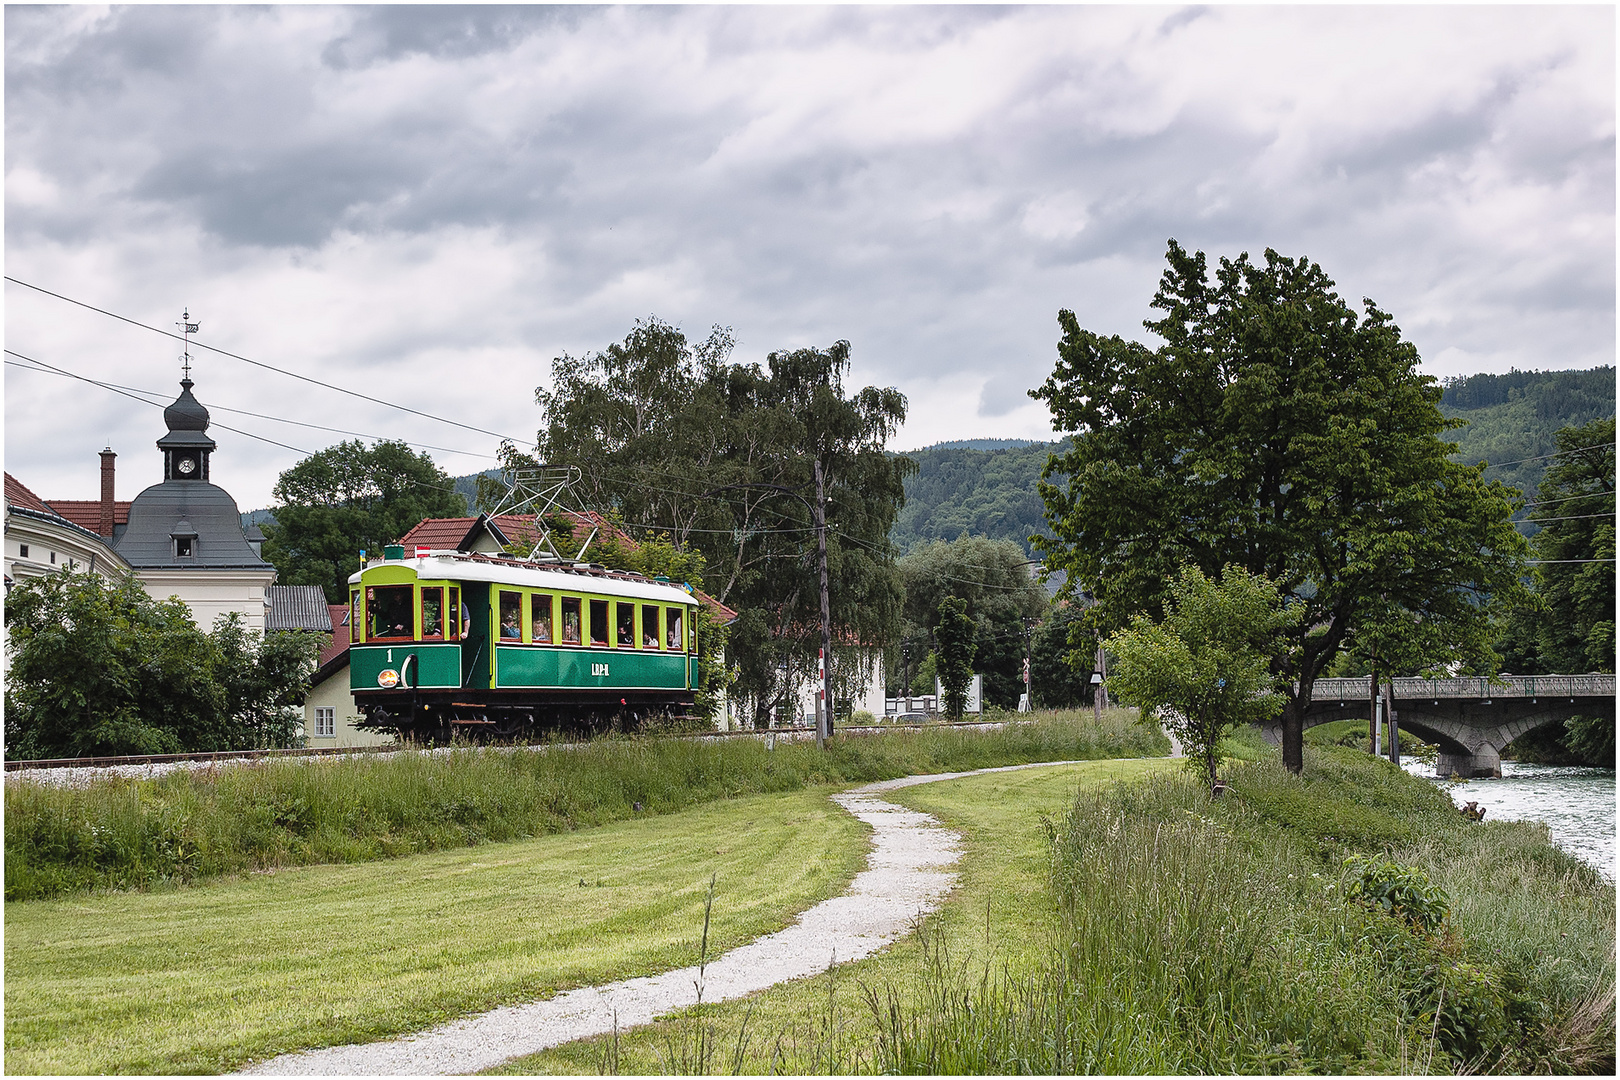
(986, 487)
(1516, 416)
(962, 491)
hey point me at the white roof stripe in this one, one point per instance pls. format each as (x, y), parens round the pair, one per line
(436, 568)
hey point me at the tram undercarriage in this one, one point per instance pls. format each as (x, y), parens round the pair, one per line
(436, 720)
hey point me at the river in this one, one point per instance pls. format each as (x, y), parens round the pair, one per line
(1576, 803)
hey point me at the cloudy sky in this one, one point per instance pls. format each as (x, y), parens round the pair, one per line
(426, 205)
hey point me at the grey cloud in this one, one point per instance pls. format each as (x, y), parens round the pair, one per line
(384, 33)
(819, 235)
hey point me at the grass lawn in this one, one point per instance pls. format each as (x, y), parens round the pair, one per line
(202, 979)
(999, 915)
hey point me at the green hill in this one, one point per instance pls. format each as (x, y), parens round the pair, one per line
(986, 487)
(964, 491)
(1513, 418)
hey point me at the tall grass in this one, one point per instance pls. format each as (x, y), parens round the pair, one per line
(1198, 936)
(189, 825)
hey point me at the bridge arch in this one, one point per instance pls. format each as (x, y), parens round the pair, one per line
(1470, 719)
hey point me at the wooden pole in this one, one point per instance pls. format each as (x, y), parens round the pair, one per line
(824, 724)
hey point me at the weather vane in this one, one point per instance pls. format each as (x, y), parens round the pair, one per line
(187, 327)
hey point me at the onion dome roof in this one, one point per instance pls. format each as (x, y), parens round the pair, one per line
(187, 413)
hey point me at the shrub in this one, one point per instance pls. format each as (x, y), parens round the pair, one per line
(1402, 891)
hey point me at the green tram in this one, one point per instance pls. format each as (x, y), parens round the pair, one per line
(497, 646)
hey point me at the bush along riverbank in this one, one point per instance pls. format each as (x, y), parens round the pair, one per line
(187, 826)
(1346, 920)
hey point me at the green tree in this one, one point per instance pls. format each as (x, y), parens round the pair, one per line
(723, 458)
(1058, 677)
(1575, 549)
(1277, 430)
(992, 577)
(348, 498)
(953, 651)
(100, 668)
(1205, 667)
(1570, 627)
(265, 679)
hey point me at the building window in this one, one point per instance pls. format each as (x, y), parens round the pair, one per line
(325, 721)
(182, 547)
(24, 553)
(53, 558)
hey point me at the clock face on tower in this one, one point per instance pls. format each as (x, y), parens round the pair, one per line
(186, 466)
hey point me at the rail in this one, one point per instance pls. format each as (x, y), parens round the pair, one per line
(1478, 688)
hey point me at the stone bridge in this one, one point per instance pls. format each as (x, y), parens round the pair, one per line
(1471, 719)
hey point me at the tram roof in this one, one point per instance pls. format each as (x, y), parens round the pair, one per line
(465, 566)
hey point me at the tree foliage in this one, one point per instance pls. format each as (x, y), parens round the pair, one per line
(100, 668)
(1575, 575)
(953, 653)
(720, 457)
(1570, 627)
(348, 498)
(1205, 668)
(1060, 678)
(1277, 430)
(992, 577)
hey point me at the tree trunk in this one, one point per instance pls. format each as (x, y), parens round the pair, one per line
(1293, 731)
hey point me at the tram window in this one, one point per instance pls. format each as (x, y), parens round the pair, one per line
(433, 614)
(389, 609)
(458, 629)
(673, 633)
(512, 616)
(649, 626)
(354, 616)
(570, 620)
(627, 625)
(599, 622)
(540, 605)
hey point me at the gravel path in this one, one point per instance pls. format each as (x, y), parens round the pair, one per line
(906, 875)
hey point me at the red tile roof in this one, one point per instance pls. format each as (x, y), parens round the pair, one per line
(340, 634)
(86, 513)
(443, 533)
(17, 494)
(453, 532)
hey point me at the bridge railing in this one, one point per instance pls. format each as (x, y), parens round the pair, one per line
(1475, 687)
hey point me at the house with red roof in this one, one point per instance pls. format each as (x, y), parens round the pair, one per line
(41, 538)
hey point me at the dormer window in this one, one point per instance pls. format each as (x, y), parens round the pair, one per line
(185, 540)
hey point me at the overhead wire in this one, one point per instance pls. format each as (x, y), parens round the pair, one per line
(134, 396)
(191, 342)
(1543, 457)
(51, 369)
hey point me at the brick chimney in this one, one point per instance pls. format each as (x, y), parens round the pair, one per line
(107, 457)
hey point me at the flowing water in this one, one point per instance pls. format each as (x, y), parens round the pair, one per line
(1576, 803)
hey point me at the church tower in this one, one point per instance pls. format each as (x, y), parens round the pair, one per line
(185, 537)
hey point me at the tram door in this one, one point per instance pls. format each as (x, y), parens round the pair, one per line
(475, 648)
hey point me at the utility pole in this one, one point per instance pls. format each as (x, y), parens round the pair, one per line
(819, 515)
(1372, 701)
